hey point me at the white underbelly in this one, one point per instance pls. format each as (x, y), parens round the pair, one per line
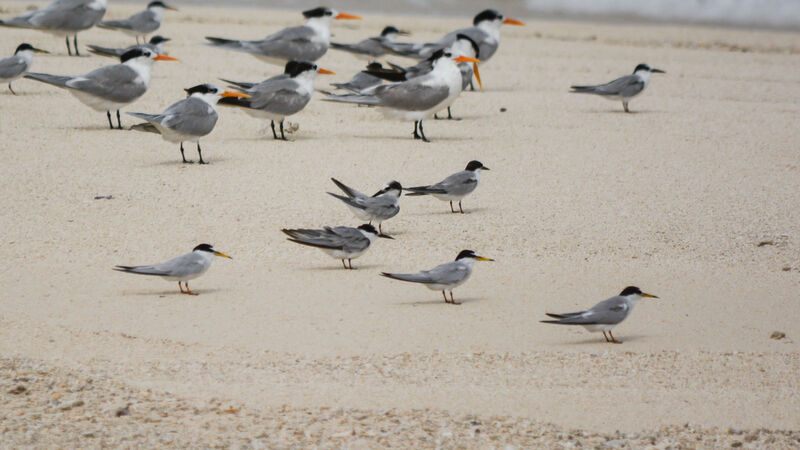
(97, 103)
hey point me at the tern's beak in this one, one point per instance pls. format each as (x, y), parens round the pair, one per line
(648, 295)
(657, 71)
(477, 74)
(483, 258)
(466, 59)
(38, 50)
(385, 236)
(322, 71)
(234, 94)
(171, 8)
(485, 168)
(166, 58)
(222, 254)
(511, 21)
(403, 33)
(347, 16)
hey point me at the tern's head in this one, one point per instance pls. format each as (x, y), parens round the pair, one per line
(327, 14)
(371, 232)
(391, 33)
(28, 49)
(634, 293)
(391, 188)
(304, 69)
(469, 255)
(158, 39)
(646, 68)
(475, 166)
(210, 93)
(160, 6)
(492, 18)
(144, 55)
(209, 249)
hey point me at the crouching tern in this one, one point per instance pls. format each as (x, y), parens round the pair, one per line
(17, 65)
(455, 187)
(605, 315)
(141, 23)
(444, 277)
(623, 88)
(156, 44)
(345, 243)
(109, 88)
(62, 18)
(188, 119)
(383, 205)
(372, 47)
(279, 96)
(181, 269)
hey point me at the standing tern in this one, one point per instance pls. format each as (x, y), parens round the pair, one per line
(62, 18)
(181, 269)
(418, 98)
(623, 88)
(372, 47)
(15, 66)
(605, 315)
(109, 88)
(141, 23)
(339, 242)
(455, 187)
(447, 276)
(279, 96)
(156, 44)
(383, 205)
(307, 42)
(188, 119)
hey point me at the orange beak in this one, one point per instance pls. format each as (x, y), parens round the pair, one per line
(234, 94)
(322, 71)
(477, 74)
(466, 59)
(166, 58)
(511, 21)
(347, 16)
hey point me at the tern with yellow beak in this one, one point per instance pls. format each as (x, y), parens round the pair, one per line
(188, 119)
(181, 269)
(15, 66)
(141, 23)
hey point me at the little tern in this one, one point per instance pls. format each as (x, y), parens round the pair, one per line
(605, 315)
(447, 276)
(280, 96)
(455, 187)
(181, 269)
(372, 47)
(307, 42)
(418, 98)
(62, 18)
(339, 242)
(16, 66)
(141, 23)
(156, 44)
(383, 205)
(623, 88)
(109, 88)
(188, 119)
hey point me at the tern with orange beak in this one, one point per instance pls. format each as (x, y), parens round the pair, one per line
(280, 96)
(188, 119)
(181, 269)
(307, 42)
(109, 88)
(418, 98)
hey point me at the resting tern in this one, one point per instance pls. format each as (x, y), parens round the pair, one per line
(156, 44)
(383, 205)
(15, 66)
(455, 187)
(373, 47)
(307, 42)
(447, 276)
(623, 88)
(181, 269)
(362, 80)
(418, 98)
(109, 88)
(188, 119)
(279, 96)
(62, 18)
(605, 315)
(141, 23)
(339, 242)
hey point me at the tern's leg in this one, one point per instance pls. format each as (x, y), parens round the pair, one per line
(625, 106)
(69, 50)
(200, 154)
(274, 134)
(460, 208)
(451, 207)
(445, 297)
(188, 291)
(283, 136)
(422, 133)
(471, 86)
(110, 123)
(119, 121)
(185, 161)
(452, 300)
(181, 287)
(612, 338)
(75, 40)
(436, 116)
(604, 335)
(380, 230)
(344, 265)
(416, 135)
(350, 263)
(9, 88)
(450, 115)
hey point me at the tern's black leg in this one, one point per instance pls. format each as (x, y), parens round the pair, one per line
(471, 86)
(283, 136)
(625, 107)
(450, 115)
(69, 50)
(422, 133)
(110, 123)
(9, 88)
(185, 161)
(200, 154)
(78, 53)
(416, 135)
(119, 121)
(274, 134)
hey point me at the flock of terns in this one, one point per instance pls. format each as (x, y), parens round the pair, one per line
(415, 93)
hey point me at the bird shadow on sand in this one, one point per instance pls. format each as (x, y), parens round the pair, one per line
(433, 140)
(179, 163)
(462, 301)
(169, 293)
(447, 212)
(356, 267)
(623, 113)
(601, 340)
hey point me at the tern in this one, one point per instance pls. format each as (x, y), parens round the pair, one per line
(372, 47)
(62, 18)
(339, 242)
(605, 315)
(156, 44)
(444, 277)
(181, 269)
(109, 88)
(16, 66)
(383, 205)
(418, 98)
(188, 119)
(141, 23)
(455, 187)
(623, 88)
(307, 42)
(280, 96)
(362, 80)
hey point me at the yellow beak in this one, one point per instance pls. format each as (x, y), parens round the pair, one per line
(483, 258)
(222, 254)
(648, 295)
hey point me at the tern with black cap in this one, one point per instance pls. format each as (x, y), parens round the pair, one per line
(455, 187)
(381, 206)
(155, 44)
(141, 23)
(623, 88)
(344, 243)
(17, 65)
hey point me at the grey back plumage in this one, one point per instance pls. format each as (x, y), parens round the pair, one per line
(12, 67)
(347, 239)
(278, 96)
(626, 86)
(449, 273)
(189, 117)
(144, 22)
(182, 266)
(459, 184)
(64, 15)
(608, 312)
(373, 47)
(117, 83)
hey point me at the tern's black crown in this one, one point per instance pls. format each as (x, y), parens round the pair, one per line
(466, 254)
(630, 290)
(317, 12)
(488, 14)
(204, 248)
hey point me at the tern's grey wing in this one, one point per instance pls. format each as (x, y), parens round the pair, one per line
(626, 86)
(449, 273)
(12, 67)
(359, 82)
(70, 15)
(352, 239)
(117, 83)
(184, 265)
(191, 116)
(380, 207)
(459, 183)
(144, 22)
(421, 68)
(371, 46)
(608, 312)
(411, 50)
(343, 238)
(106, 51)
(279, 96)
(411, 95)
(348, 190)
(294, 43)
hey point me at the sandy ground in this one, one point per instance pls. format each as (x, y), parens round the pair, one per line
(694, 197)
